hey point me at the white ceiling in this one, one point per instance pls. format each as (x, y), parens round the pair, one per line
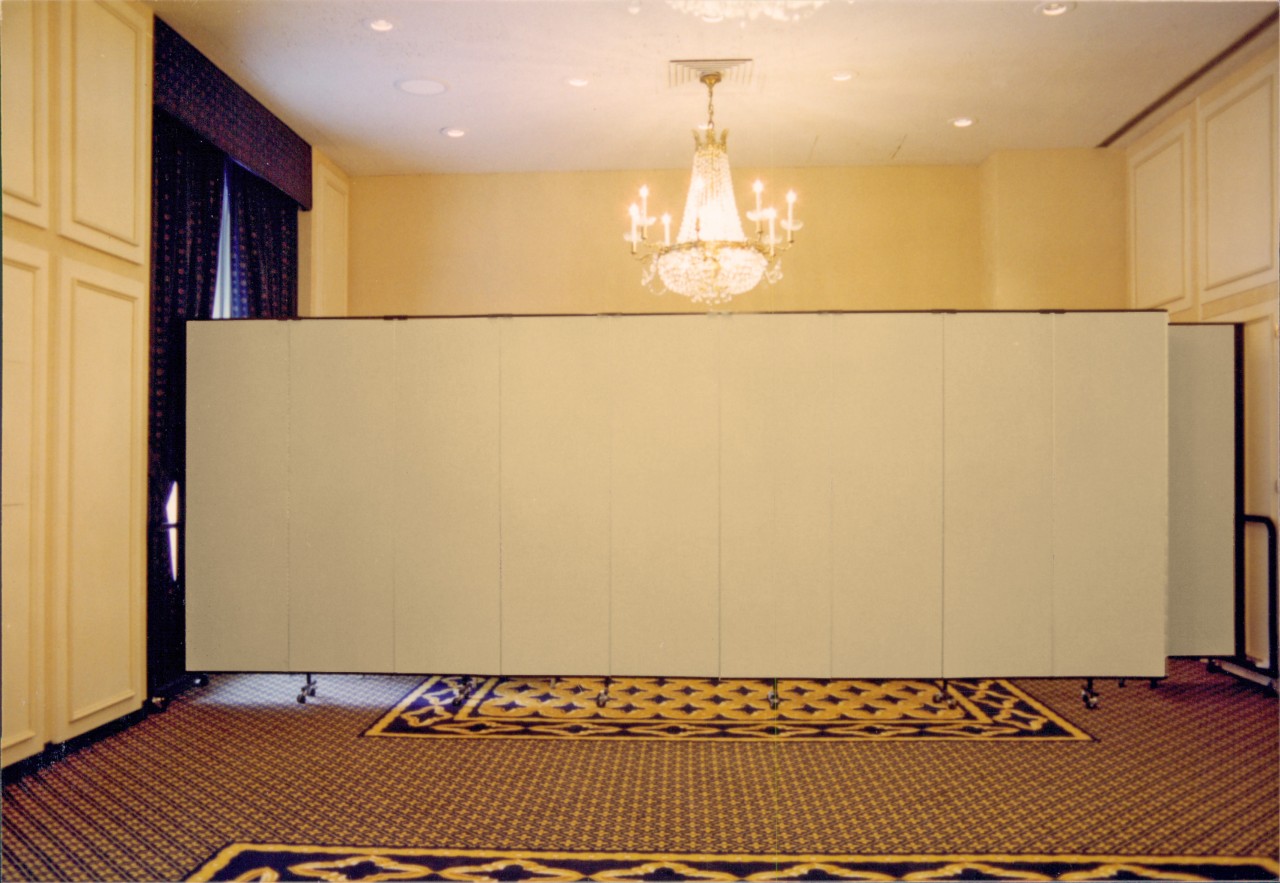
(1031, 81)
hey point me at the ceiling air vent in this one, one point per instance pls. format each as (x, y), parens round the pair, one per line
(734, 71)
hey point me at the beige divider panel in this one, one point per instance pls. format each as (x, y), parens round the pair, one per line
(237, 496)
(998, 483)
(886, 609)
(1202, 489)
(1110, 494)
(775, 418)
(556, 390)
(341, 477)
(446, 507)
(666, 496)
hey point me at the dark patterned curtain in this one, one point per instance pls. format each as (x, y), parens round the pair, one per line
(186, 180)
(264, 247)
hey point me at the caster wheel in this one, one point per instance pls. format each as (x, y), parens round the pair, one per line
(1120, 682)
(302, 698)
(1213, 666)
(1090, 700)
(601, 700)
(939, 697)
(200, 681)
(159, 703)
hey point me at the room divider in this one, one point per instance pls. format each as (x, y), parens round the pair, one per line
(783, 495)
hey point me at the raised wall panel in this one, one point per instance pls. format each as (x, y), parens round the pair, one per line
(1110, 493)
(331, 277)
(237, 496)
(887, 438)
(775, 495)
(445, 514)
(1161, 211)
(556, 394)
(341, 480)
(665, 496)
(1202, 490)
(104, 149)
(22, 586)
(997, 486)
(1238, 187)
(25, 100)
(99, 504)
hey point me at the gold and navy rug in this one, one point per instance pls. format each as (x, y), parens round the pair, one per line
(729, 709)
(270, 862)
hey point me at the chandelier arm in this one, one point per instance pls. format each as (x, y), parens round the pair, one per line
(710, 80)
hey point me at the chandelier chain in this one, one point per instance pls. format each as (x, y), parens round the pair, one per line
(710, 80)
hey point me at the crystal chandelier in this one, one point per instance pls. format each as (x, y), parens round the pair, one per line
(712, 11)
(712, 260)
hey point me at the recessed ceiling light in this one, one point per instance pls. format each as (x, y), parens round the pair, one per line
(450, 132)
(1058, 8)
(378, 24)
(842, 76)
(577, 81)
(421, 87)
(963, 122)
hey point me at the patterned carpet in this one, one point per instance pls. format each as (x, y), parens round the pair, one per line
(1184, 775)
(731, 710)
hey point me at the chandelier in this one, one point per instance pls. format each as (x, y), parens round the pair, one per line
(713, 11)
(712, 259)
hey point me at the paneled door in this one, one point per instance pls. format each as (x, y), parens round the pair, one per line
(22, 490)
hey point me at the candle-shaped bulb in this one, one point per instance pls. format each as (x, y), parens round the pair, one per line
(758, 187)
(791, 215)
(635, 216)
(644, 205)
(666, 228)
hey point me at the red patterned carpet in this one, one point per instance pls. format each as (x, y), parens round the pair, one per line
(1185, 774)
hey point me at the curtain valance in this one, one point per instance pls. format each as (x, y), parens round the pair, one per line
(195, 91)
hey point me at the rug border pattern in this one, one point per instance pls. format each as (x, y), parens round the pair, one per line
(1011, 866)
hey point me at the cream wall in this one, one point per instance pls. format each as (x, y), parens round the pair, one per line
(1054, 229)
(1025, 230)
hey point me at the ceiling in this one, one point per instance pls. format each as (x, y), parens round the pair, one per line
(1029, 80)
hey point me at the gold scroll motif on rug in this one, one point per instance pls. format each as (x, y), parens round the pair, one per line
(729, 709)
